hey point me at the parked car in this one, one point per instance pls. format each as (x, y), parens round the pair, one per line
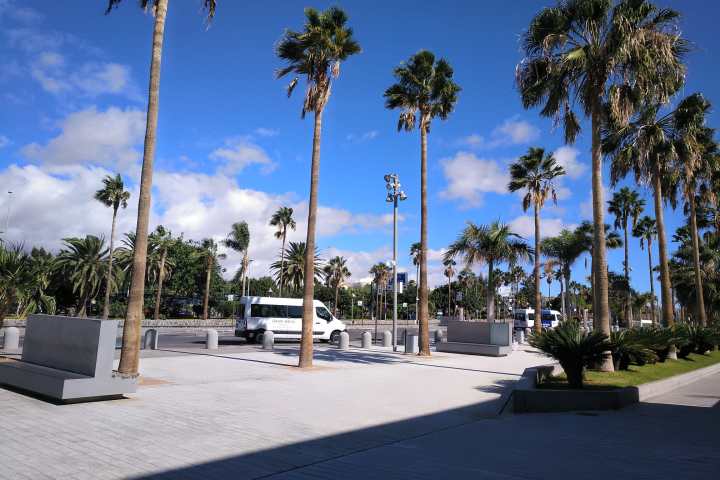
(283, 316)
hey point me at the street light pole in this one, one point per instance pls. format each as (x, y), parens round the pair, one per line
(393, 196)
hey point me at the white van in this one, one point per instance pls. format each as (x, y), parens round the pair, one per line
(284, 317)
(525, 318)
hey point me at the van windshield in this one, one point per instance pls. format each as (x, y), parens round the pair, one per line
(323, 313)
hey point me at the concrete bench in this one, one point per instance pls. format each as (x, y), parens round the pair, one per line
(68, 359)
(477, 338)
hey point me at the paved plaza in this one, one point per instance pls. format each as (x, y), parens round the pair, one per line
(357, 414)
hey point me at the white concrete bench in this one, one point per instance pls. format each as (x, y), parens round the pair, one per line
(68, 359)
(477, 338)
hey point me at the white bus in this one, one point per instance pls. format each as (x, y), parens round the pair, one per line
(525, 318)
(283, 316)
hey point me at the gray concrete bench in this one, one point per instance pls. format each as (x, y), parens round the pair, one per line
(68, 359)
(477, 338)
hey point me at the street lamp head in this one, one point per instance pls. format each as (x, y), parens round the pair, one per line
(402, 195)
(389, 198)
(388, 177)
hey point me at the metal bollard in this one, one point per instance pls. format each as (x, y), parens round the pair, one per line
(439, 336)
(344, 341)
(211, 340)
(387, 338)
(268, 340)
(12, 338)
(412, 345)
(151, 339)
(366, 339)
(520, 336)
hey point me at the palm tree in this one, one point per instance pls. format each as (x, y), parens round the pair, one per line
(112, 195)
(210, 256)
(15, 276)
(316, 53)
(83, 261)
(336, 272)
(292, 268)
(493, 244)
(599, 53)
(161, 241)
(535, 173)
(695, 147)
(627, 206)
(449, 273)
(415, 254)
(566, 248)
(34, 296)
(130, 354)
(239, 240)
(380, 273)
(282, 219)
(426, 88)
(646, 230)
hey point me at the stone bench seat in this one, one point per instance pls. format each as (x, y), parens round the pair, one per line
(474, 348)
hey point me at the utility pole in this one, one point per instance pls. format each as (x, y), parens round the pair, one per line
(394, 195)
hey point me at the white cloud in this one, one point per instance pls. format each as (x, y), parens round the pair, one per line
(4, 141)
(469, 177)
(362, 137)
(567, 157)
(524, 226)
(360, 262)
(266, 132)
(107, 138)
(240, 152)
(21, 14)
(510, 132)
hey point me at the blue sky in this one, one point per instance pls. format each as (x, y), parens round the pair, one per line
(232, 146)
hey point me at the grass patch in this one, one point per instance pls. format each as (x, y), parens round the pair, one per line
(637, 375)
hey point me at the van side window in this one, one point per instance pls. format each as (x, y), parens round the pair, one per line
(265, 311)
(323, 313)
(295, 311)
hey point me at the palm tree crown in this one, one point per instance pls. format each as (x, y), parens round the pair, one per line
(626, 205)
(293, 269)
(113, 193)
(535, 172)
(84, 261)
(208, 5)
(283, 220)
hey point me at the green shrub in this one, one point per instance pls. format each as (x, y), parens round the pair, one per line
(698, 339)
(627, 348)
(573, 347)
(657, 339)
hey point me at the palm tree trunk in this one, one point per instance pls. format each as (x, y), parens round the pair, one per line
(666, 297)
(306, 341)
(700, 296)
(108, 277)
(417, 290)
(449, 296)
(130, 354)
(161, 278)
(652, 283)
(536, 272)
(600, 259)
(568, 312)
(337, 288)
(282, 260)
(245, 272)
(628, 299)
(206, 297)
(490, 293)
(424, 320)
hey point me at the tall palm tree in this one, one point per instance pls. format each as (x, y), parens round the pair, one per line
(695, 147)
(112, 195)
(645, 229)
(424, 88)
(586, 236)
(336, 272)
(626, 205)
(209, 255)
(282, 219)
(161, 241)
(449, 273)
(293, 267)
(130, 354)
(595, 53)
(83, 261)
(535, 173)
(566, 248)
(492, 244)
(239, 240)
(381, 273)
(316, 53)
(415, 254)
(645, 147)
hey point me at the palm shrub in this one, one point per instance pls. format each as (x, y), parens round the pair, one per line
(573, 347)
(658, 339)
(697, 339)
(627, 348)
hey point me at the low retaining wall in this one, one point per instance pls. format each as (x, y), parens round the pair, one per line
(527, 398)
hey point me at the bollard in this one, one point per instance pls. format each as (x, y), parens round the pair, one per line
(151, 339)
(268, 340)
(387, 338)
(12, 338)
(211, 340)
(520, 336)
(411, 343)
(366, 339)
(439, 337)
(344, 341)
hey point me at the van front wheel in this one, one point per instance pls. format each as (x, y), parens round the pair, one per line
(335, 337)
(259, 336)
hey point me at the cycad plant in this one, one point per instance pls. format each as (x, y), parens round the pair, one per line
(573, 347)
(627, 349)
(424, 89)
(315, 53)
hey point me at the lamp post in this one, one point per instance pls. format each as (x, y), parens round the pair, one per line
(393, 196)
